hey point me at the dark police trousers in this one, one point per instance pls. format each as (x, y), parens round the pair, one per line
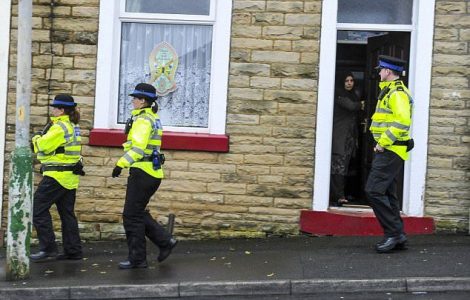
(51, 192)
(381, 190)
(138, 222)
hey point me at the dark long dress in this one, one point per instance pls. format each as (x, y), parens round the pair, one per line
(344, 142)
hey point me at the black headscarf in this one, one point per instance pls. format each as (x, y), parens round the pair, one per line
(340, 90)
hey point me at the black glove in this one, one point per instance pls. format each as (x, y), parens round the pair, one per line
(78, 169)
(116, 171)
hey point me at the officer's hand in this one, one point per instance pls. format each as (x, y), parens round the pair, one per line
(116, 171)
(378, 148)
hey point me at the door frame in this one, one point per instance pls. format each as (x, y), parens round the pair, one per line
(5, 14)
(419, 83)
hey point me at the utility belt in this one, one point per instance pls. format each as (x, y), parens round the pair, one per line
(57, 168)
(410, 144)
(161, 156)
(157, 159)
(76, 169)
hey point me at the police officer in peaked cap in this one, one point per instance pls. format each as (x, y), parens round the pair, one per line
(390, 128)
(392, 63)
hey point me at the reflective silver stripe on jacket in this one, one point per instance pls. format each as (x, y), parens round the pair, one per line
(390, 124)
(52, 164)
(138, 151)
(384, 110)
(390, 135)
(67, 136)
(129, 158)
(151, 147)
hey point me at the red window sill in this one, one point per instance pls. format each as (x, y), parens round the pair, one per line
(171, 140)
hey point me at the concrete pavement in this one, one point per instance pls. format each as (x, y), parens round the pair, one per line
(278, 267)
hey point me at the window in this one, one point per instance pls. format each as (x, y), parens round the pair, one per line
(180, 46)
(375, 11)
(185, 7)
(190, 54)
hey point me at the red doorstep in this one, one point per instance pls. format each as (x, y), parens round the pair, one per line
(349, 223)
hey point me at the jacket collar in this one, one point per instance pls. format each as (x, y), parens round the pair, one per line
(60, 118)
(390, 84)
(137, 112)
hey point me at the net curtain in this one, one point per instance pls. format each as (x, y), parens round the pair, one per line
(188, 105)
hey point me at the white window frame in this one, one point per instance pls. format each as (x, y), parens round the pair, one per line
(112, 14)
(419, 83)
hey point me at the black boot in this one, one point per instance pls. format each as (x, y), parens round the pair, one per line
(166, 251)
(401, 245)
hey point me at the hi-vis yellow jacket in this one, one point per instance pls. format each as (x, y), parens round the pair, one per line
(144, 136)
(62, 133)
(392, 118)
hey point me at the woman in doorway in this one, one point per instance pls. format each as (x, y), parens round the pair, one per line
(345, 134)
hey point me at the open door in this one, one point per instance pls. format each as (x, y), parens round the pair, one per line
(396, 44)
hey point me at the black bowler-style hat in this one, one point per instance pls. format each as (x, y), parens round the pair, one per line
(392, 63)
(146, 91)
(63, 100)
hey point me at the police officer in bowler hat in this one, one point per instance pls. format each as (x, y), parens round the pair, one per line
(142, 155)
(58, 149)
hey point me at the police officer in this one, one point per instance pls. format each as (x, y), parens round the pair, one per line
(58, 149)
(391, 131)
(142, 156)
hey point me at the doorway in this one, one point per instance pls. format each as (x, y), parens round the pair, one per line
(357, 52)
(419, 25)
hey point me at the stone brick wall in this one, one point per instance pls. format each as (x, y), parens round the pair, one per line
(271, 112)
(448, 178)
(258, 187)
(254, 190)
